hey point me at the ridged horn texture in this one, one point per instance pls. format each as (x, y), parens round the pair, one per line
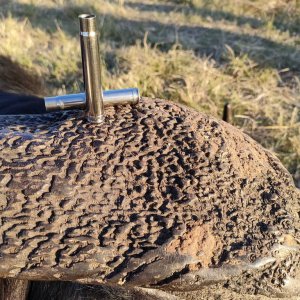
(157, 196)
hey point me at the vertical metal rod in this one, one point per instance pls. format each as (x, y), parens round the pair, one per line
(91, 64)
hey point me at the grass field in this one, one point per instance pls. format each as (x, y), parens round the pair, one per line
(202, 53)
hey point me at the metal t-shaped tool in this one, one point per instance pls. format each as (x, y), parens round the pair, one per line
(94, 99)
(91, 65)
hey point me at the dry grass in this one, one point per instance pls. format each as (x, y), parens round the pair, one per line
(199, 52)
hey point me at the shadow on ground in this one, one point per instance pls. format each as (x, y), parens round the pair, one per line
(215, 15)
(202, 40)
(282, 21)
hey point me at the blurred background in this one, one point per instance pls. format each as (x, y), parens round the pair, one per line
(202, 53)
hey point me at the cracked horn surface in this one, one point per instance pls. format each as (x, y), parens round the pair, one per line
(159, 195)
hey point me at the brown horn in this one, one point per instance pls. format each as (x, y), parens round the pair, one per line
(158, 196)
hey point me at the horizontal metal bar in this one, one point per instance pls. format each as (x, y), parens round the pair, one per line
(78, 101)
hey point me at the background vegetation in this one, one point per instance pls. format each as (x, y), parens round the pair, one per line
(202, 53)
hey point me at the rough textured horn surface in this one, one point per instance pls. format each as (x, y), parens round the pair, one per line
(157, 196)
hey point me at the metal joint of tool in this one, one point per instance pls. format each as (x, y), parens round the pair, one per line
(94, 99)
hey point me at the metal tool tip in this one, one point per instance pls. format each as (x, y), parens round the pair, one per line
(87, 16)
(96, 119)
(136, 95)
(87, 22)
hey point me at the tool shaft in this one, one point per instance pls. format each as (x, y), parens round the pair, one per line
(78, 101)
(91, 64)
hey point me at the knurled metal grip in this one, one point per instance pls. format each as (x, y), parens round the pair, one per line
(91, 65)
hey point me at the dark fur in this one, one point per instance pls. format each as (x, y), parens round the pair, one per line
(12, 289)
(15, 78)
